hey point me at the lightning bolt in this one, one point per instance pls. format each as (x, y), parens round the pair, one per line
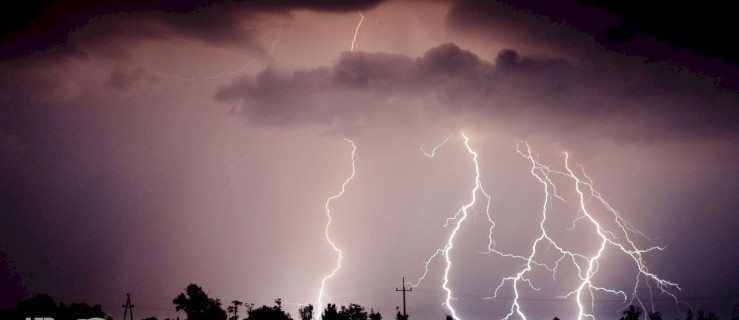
(210, 77)
(459, 217)
(587, 266)
(433, 150)
(356, 30)
(541, 173)
(586, 192)
(274, 43)
(619, 237)
(236, 71)
(321, 292)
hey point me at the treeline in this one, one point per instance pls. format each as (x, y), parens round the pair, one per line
(44, 306)
(196, 304)
(634, 313)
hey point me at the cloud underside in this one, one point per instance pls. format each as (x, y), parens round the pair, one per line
(69, 28)
(448, 82)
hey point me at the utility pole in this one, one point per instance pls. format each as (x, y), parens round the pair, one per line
(404, 290)
(128, 307)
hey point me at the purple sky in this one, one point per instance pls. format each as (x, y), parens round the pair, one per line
(148, 145)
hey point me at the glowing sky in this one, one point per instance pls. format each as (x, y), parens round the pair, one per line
(148, 145)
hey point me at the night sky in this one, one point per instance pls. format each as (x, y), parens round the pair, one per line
(147, 145)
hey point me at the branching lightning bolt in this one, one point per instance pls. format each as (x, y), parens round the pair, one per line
(587, 266)
(608, 238)
(356, 30)
(541, 173)
(322, 292)
(459, 219)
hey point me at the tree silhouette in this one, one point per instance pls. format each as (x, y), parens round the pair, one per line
(375, 315)
(330, 313)
(79, 311)
(632, 313)
(198, 306)
(306, 312)
(269, 313)
(655, 316)
(233, 309)
(449, 317)
(555, 318)
(706, 316)
(353, 312)
(400, 316)
(43, 305)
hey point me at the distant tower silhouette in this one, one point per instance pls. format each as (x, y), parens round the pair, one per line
(128, 307)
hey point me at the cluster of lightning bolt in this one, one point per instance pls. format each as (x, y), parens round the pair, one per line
(587, 265)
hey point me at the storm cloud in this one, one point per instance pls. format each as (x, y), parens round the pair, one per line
(145, 145)
(685, 35)
(71, 28)
(543, 93)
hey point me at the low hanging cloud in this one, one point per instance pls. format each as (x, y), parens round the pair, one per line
(447, 81)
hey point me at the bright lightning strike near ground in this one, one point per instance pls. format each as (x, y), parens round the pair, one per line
(619, 237)
(587, 193)
(587, 265)
(322, 291)
(459, 219)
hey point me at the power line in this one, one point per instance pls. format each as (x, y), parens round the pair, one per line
(404, 290)
(128, 307)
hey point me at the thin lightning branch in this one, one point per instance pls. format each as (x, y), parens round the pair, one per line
(430, 155)
(211, 77)
(231, 72)
(587, 266)
(606, 238)
(356, 30)
(459, 217)
(433, 151)
(277, 39)
(322, 293)
(541, 173)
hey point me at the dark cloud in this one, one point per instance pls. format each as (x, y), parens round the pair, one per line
(527, 21)
(688, 35)
(704, 29)
(106, 183)
(60, 25)
(544, 93)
